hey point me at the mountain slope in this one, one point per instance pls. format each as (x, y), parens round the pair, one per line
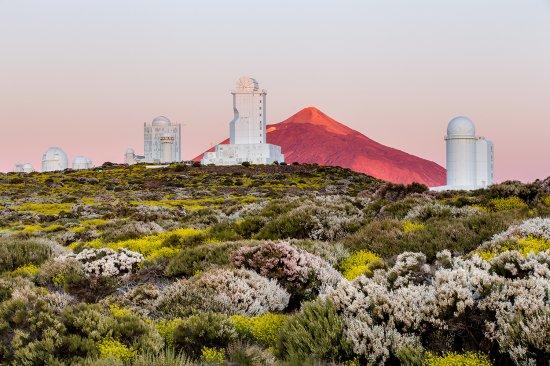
(310, 136)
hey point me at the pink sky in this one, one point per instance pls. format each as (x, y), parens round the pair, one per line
(86, 77)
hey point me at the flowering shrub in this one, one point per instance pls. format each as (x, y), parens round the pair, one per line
(213, 355)
(426, 211)
(110, 347)
(106, 262)
(166, 329)
(263, 328)
(360, 263)
(236, 291)
(454, 359)
(411, 227)
(506, 204)
(301, 273)
(48, 209)
(396, 306)
(28, 270)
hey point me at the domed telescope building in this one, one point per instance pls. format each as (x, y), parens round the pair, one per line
(470, 158)
(247, 130)
(82, 162)
(23, 168)
(54, 159)
(162, 141)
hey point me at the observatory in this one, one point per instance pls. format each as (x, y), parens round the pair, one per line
(469, 159)
(162, 140)
(247, 130)
(23, 168)
(54, 159)
(82, 162)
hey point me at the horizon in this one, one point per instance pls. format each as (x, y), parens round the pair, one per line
(395, 72)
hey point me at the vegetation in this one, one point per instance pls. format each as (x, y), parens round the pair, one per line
(269, 265)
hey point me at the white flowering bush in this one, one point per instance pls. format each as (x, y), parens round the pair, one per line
(301, 273)
(506, 300)
(536, 227)
(106, 262)
(436, 209)
(230, 291)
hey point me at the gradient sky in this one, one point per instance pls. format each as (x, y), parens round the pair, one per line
(85, 75)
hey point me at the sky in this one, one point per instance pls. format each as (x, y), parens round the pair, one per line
(86, 75)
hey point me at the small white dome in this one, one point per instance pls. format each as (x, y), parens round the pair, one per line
(161, 121)
(130, 151)
(81, 162)
(461, 126)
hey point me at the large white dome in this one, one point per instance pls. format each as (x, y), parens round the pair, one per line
(54, 159)
(461, 126)
(161, 121)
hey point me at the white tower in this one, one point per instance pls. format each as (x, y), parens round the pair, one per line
(54, 159)
(470, 159)
(461, 153)
(249, 103)
(167, 142)
(153, 131)
(247, 130)
(82, 162)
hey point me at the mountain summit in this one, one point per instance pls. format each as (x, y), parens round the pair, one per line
(310, 136)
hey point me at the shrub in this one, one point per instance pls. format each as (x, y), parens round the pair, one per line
(193, 260)
(263, 329)
(47, 209)
(213, 355)
(454, 359)
(203, 330)
(28, 270)
(506, 204)
(166, 358)
(17, 253)
(110, 347)
(166, 329)
(236, 291)
(316, 331)
(360, 263)
(299, 272)
(411, 227)
(106, 262)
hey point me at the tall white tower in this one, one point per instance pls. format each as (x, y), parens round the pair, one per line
(167, 142)
(461, 153)
(249, 121)
(470, 158)
(247, 130)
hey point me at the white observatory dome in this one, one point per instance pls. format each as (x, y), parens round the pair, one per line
(161, 121)
(461, 126)
(54, 159)
(81, 162)
(130, 151)
(27, 168)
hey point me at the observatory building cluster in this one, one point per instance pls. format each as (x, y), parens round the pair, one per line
(469, 160)
(55, 159)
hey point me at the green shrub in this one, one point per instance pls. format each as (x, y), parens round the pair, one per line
(166, 358)
(166, 329)
(189, 261)
(214, 356)
(17, 253)
(316, 331)
(295, 224)
(454, 359)
(110, 347)
(203, 330)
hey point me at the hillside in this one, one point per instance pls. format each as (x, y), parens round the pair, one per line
(310, 136)
(269, 265)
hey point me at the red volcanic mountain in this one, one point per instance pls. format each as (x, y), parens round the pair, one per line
(310, 136)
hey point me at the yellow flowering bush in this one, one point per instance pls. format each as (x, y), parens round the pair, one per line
(213, 355)
(524, 245)
(110, 347)
(150, 246)
(411, 227)
(49, 209)
(262, 328)
(359, 263)
(29, 270)
(546, 200)
(508, 203)
(455, 359)
(119, 312)
(166, 328)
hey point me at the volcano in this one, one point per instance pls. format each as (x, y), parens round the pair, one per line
(310, 136)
